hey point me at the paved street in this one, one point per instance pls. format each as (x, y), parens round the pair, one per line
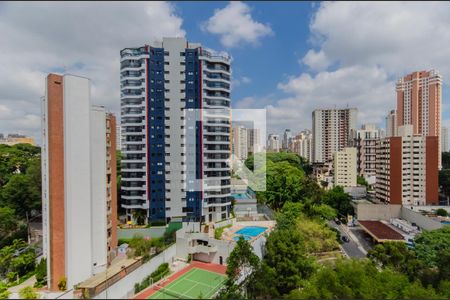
(353, 248)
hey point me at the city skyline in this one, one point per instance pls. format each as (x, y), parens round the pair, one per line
(311, 66)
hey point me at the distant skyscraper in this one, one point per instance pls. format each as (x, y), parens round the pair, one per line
(79, 198)
(407, 168)
(253, 140)
(164, 156)
(365, 141)
(273, 143)
(287, 136)
(344, 167)
(419, 101)
(239, 142)
(302, 144)
(391, 123)
(444, 139)
(331, 131)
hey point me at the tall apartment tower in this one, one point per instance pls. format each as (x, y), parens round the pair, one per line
(79, 198)
(365, 141)
(239, 142)
(407, 168)
(287, 137)
(344, 167)
(444, 139)
(391, 123)
(419, 101)
(331, 131)
(273, 143)
(253, 140)
(302, 144)
(161, 86)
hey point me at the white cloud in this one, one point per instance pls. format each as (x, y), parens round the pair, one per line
(316, 60)
(235, 25)
(358, 50)
(79, 38)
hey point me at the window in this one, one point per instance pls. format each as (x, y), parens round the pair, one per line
(166, 63)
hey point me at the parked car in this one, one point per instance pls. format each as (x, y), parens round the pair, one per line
(345, 239)
(336, 220)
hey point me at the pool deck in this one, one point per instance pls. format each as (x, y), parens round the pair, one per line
(230, 233)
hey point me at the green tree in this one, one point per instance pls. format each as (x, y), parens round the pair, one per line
(429, 243)
(242, 261)
(8, 221)
(286, 259)
(360, 180)
(339, 200)
(28, 292)
(441, 212)
(4, 293)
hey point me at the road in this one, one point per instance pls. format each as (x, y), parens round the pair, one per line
(353, 248)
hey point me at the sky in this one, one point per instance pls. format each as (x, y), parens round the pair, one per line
(288, 57)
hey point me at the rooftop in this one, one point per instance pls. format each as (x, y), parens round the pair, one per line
(380, 231)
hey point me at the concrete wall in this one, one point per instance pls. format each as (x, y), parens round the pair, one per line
(224, 223)
(369, 211)
(154, 232)
(98, 192)
(422, 221)
(77, 184)
(124, 289)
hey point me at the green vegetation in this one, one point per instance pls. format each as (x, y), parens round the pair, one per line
(16, 260)
(62, 284)
(241, 262)
(441, 212)
(360, 180)
(41, 273)
(150, 247)
(432, 245)
(359, 279)
(28, 292)
(287, 181)
(4, 293)
(159, 273)
(218, 231)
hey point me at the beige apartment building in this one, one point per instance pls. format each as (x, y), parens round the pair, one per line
(344, 167)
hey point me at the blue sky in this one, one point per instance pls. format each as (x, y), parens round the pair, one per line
(288, 57)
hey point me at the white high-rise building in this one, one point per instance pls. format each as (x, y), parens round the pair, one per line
(444, 139)
(174, 166)
(344, 167)
(79, 207)
(365, 141)
(391, 123)
(302, 144)
(273, 143)
(331, 131)
(239, 142)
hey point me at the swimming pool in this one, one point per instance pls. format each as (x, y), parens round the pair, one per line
(249, 232)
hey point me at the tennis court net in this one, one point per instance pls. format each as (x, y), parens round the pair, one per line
(168, 292)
